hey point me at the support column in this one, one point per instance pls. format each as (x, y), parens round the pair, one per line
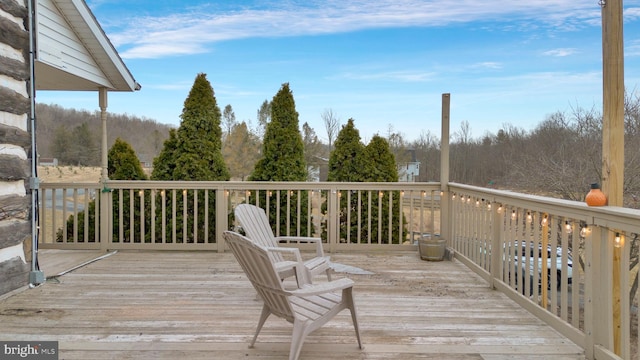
(105, 198)
(102, 94)
(613, 133)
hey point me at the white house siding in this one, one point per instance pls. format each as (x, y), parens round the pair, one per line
(60, 47)
(15, 225)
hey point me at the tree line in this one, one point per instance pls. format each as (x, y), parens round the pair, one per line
(560, 157)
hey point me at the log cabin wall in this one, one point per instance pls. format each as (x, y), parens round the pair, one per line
(15, 145)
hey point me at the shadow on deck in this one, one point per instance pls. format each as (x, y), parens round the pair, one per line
(199, 305)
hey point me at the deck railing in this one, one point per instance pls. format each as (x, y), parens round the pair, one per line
(571, 265)
(589, 292)
(193, 215)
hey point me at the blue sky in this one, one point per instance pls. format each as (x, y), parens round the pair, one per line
(382, 62)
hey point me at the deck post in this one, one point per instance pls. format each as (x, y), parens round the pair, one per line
(613, 131)
(104, 194)
(222, 218)
(497, 221)
(445, 225)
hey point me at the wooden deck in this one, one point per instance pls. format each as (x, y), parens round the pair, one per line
(199, 305)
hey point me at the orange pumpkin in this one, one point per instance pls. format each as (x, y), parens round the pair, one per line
(596, 197)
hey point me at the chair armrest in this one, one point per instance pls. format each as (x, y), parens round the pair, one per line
(303, 239)
(291, 251)
(323, 288)
(302, 273)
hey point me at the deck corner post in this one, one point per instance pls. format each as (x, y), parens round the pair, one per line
(445, 224)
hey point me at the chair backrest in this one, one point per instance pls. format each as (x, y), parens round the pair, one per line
(255, 223)
(254, 260)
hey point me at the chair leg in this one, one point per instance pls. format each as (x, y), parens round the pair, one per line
(297, 339)
(329, 274)
(348, 296)
(263, 317)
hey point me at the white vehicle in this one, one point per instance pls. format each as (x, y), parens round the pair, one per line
(537, 256)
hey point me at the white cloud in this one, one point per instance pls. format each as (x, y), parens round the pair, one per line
(488, 65)
(632, 13)
(562, 52)
(401, 76)
(192, 31)
(632, 48)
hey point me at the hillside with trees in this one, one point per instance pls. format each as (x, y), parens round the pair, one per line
(74, 136)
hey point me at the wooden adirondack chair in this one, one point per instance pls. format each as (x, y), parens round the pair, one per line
(255, 223)
(308, 307)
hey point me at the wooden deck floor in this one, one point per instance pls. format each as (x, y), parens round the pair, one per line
(199, 305)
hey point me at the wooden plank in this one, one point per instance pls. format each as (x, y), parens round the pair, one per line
(197, 305)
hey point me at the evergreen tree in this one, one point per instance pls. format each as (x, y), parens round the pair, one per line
(346, 160)
(352, 161)
(283, 160)
(165, 163)
(199, 151)
(380, 160)
(282, 147)
(193, 153)
(123, 164)
(345, 165)
(382, 168)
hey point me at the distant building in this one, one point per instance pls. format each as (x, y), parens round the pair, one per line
(409, 171)
(48, 162)
(145, 161)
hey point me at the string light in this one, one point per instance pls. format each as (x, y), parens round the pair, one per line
(488, 206)
(568, 226)
(545, 220)
(529, 217)
(499, 209)
(584, 231)
(513, 215)
(617, 242)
